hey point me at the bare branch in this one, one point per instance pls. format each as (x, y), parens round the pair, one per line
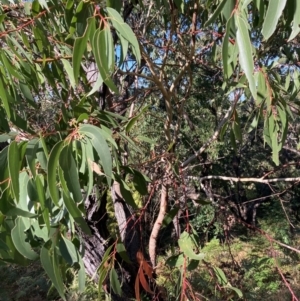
(157, 224)
(234, 179)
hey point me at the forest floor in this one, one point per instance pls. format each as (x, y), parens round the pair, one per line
(251, 264)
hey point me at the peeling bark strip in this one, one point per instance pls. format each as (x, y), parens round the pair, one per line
(158, 223)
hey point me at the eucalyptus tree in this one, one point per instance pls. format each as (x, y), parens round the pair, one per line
(74, 80)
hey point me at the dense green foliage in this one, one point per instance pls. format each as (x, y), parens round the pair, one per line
(136, 134)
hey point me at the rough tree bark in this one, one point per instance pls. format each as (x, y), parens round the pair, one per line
(96, 244)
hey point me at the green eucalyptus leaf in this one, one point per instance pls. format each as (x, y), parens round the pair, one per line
(187, 246)
(75, 212)
(30, 155)
(274, 11)
(221, 276)
(125, 31)
(13, 158)
(225, 47)
(114, 282)
(20, 239)
(95, 135)
(70, 173)
(68, 251)
(296, 21)
(122, 251)
(52, 171)
(236, 290)
(103, 49)
(50, 264)
(39, 182)
(80, 47)
(216, 13)
(5, 99)
(245, 52)
(70, 72)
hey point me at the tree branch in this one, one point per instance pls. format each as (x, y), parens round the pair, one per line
(234, 179)
(157, 224)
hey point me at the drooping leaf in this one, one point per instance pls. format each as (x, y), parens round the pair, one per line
(96, 138)
(216, 13)
(236, 127)
(96, 85)
(68, 251)
(52, 171)
(5, 99)
(131, 142)
(126, 32)
(49, 262)
(114, 282)
(221, 276)
(187, 246)
(124, 49)
(24, 191)
(89, 157)
(144, 282)
(43, 3)
(79, 48)
(193, 264)
(296, 21)
(42, 156)
(103, 269)
(42, 197)
(236, 290)
(228, 9)
(20, 239)
(31, 150)
(122, 251)
(225, 47)
(75, 212)
(139, 180)
(70, 72)
(70, 173)
(20, 212)
(103, 49)
(13, 158)
(131, 123)
(245, 52)
(274, 11)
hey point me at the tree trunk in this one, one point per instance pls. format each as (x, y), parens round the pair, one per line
(96, 244)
